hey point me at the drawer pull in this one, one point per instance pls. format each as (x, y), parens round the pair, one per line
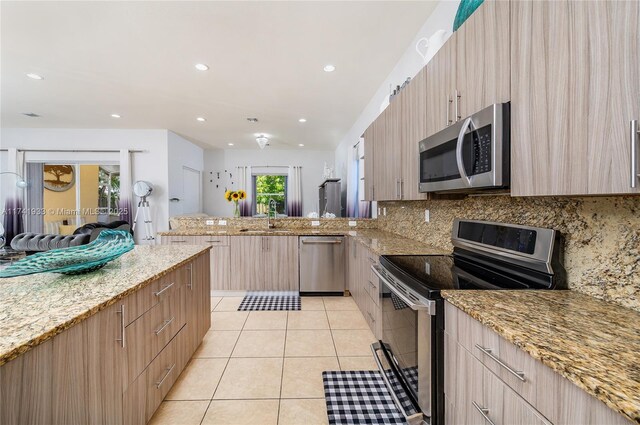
(371, 260)
(484, 412)
(214, 241)
(178, 241)
(167, 371)
(190, 284)
(517, 374)
(160, 292)
(121, 340)
(164, 326)
(372, 284)
(371, 317)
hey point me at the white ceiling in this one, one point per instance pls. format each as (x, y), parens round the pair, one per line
(266, 60)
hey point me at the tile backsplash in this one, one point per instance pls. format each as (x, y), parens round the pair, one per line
(602, 247)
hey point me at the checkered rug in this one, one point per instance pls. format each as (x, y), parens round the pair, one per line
(361, 397)
(270, 301)
(398, 304)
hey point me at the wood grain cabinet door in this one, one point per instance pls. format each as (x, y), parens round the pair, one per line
(440, 78)
(369, 155)
(414, 129)
(482, 65)
(383, 168)
(246, 263)
(280, 263)
(575, 87)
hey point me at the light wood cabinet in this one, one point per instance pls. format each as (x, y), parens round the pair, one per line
(264, 263)
(440, 81)
(83, 374)
(414, 129)
(362, 284)
(387, 175)
(482, 59)
(369, 155)
(575, 87)
(487, 379)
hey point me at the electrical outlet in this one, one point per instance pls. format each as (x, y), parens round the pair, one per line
(352, 223)
(210, 222)
(379, 213)
(222, 223)
(426, 216)
(384, 211)
(315, 223)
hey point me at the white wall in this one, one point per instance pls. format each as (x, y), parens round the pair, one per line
(181, 153)
(312, 163)
(148, 165)
(408, 66)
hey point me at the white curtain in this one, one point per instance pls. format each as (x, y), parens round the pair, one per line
(244, 179)
(126, 202)
(352, 182)
(13, 220)
(294, 191)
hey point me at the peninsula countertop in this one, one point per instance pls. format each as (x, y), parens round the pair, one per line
(379, 241)
(37, 307)
(593, 343)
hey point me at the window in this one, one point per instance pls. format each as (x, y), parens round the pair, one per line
(108, 190)
(266, 187)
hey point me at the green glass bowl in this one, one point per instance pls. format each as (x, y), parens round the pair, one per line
(109, 245)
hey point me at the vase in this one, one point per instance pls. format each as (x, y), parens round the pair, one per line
(236, 210)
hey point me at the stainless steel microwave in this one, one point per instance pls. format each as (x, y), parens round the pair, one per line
(469, 155)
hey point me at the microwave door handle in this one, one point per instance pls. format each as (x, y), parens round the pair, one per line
(459, 160)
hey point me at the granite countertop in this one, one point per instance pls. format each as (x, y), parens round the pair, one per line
(37, 307)
(593, 343)
(379, 241)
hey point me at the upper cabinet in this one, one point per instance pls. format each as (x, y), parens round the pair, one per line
(575, 88)
(482, 59)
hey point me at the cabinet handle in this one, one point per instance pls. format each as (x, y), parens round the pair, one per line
(484, 412)
(371, 317)
(164, 326)
(121, 340)
(449, 102)
(371, 260)
(167, 371)
(634, 153)
(178, 241)
(160, 292)
(190, 284)
(487, 351)
(216, 241)
(372, 284)
(458, 116)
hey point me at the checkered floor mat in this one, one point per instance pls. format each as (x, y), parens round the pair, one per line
(263, 301)
(398, 304)
(361, 397)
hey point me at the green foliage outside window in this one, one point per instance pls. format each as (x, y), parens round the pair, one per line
(271, 187)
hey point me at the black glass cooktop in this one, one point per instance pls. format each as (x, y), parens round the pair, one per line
(429, 274)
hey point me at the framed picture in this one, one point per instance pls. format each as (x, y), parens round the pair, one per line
(59, 178)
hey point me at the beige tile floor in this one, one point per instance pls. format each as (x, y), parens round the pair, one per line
(266, 367)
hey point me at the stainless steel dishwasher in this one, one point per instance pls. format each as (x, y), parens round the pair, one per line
(322, 260)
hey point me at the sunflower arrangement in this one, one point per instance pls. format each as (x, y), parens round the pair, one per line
(235, 196)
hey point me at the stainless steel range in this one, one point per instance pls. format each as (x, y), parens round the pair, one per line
(486, 255)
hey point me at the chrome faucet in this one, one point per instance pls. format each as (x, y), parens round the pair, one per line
(275, 211)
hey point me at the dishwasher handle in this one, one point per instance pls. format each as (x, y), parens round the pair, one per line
(321, 242)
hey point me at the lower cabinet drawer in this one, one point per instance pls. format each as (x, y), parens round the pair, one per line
(144, 395)
(143, 300)
(151, 332)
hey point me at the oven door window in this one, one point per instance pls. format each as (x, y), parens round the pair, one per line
(400, 335)
(439, 163)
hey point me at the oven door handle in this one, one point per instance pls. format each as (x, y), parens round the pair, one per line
(459, 160)
(429, 306)
(416, 418)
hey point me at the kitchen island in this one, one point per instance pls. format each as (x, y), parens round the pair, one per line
(104, 347)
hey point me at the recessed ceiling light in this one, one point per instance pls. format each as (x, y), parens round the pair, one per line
(115, 115)
(301, 145)
(302, 120)
(201, 119)
(201, 67)
(329, 68)
(35, 76)
(230, 144)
